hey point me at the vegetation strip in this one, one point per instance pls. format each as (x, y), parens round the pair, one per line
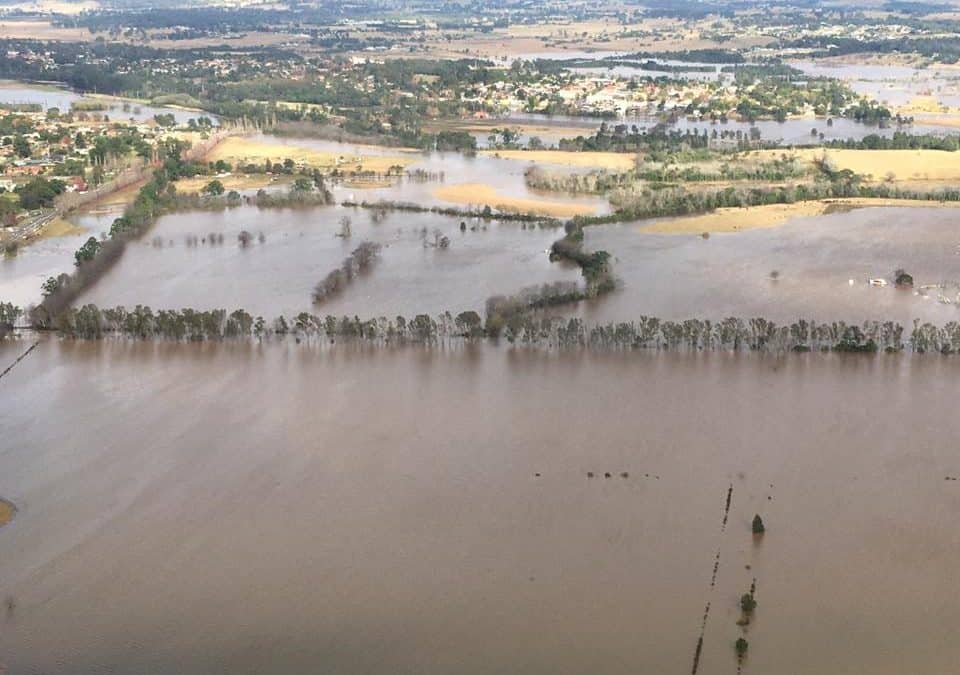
(19, 359)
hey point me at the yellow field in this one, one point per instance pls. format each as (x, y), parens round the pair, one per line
(771, 215)
(480, 195)
(611, 161)
(921, 105)
(232, 182)
(58, 227)
(6, 512)
(595, 35)
(880, 165)
(239, 149)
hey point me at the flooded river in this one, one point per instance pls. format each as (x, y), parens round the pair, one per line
(285, 508)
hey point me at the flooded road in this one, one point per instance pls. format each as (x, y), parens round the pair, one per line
(288, 508)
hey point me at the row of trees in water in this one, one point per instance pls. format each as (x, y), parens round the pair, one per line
(534, 328)
(157, 197)
(360, 260)
(486, 213)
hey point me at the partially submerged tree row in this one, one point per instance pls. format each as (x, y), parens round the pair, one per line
(522, 327)
(485, 213)
(360, 260)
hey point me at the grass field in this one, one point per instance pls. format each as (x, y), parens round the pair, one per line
(232, 182)
(58, 227)
(239, 149)
(771, 215)
(480, 194)
(879, 165)
(6, 512)
(611, 161)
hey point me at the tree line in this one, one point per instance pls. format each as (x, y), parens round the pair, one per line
(523, 327)
(360, 260)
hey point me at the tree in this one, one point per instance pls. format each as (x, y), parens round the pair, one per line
(741, 646)
(303, 184)
(758, 527)
(901, 278)
(39, 192)
(747, 603)
(214, 188)
(21, 146)
(87, 252)
(469, 323)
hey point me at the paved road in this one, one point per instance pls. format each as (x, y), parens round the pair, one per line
(32, 228)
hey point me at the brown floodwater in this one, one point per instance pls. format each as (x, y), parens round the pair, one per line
(505, 176)
(683, 276)
(300, 246)
(287, 508)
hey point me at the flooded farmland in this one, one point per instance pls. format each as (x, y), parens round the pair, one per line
(812, 267)
(823, 266)
(282, 507)
(300, 246)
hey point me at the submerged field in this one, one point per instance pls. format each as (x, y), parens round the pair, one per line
(739, 219)
(435, 541)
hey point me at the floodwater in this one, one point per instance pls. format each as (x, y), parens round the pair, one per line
(288, 508)
(893, 85)
(796, 131)
(301, 246)
(669, 276)
(446, 168)
(22, 274)
(683, 276)
(62, 98)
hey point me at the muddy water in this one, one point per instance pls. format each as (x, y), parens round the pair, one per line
(681, 276)
(282, 508)
(300, 247)
(63, 99)
(893, 85)
(22, 274)
(795, 131)
(503, 175)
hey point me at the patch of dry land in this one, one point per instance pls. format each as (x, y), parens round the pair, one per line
(900, 166)
(245, 150)
(739, 219)
(611, 161)
(6, 512)
(58, 227)
(923, 105)
(480, 195)
(598, 35)
(42, 30)
(231, 182)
